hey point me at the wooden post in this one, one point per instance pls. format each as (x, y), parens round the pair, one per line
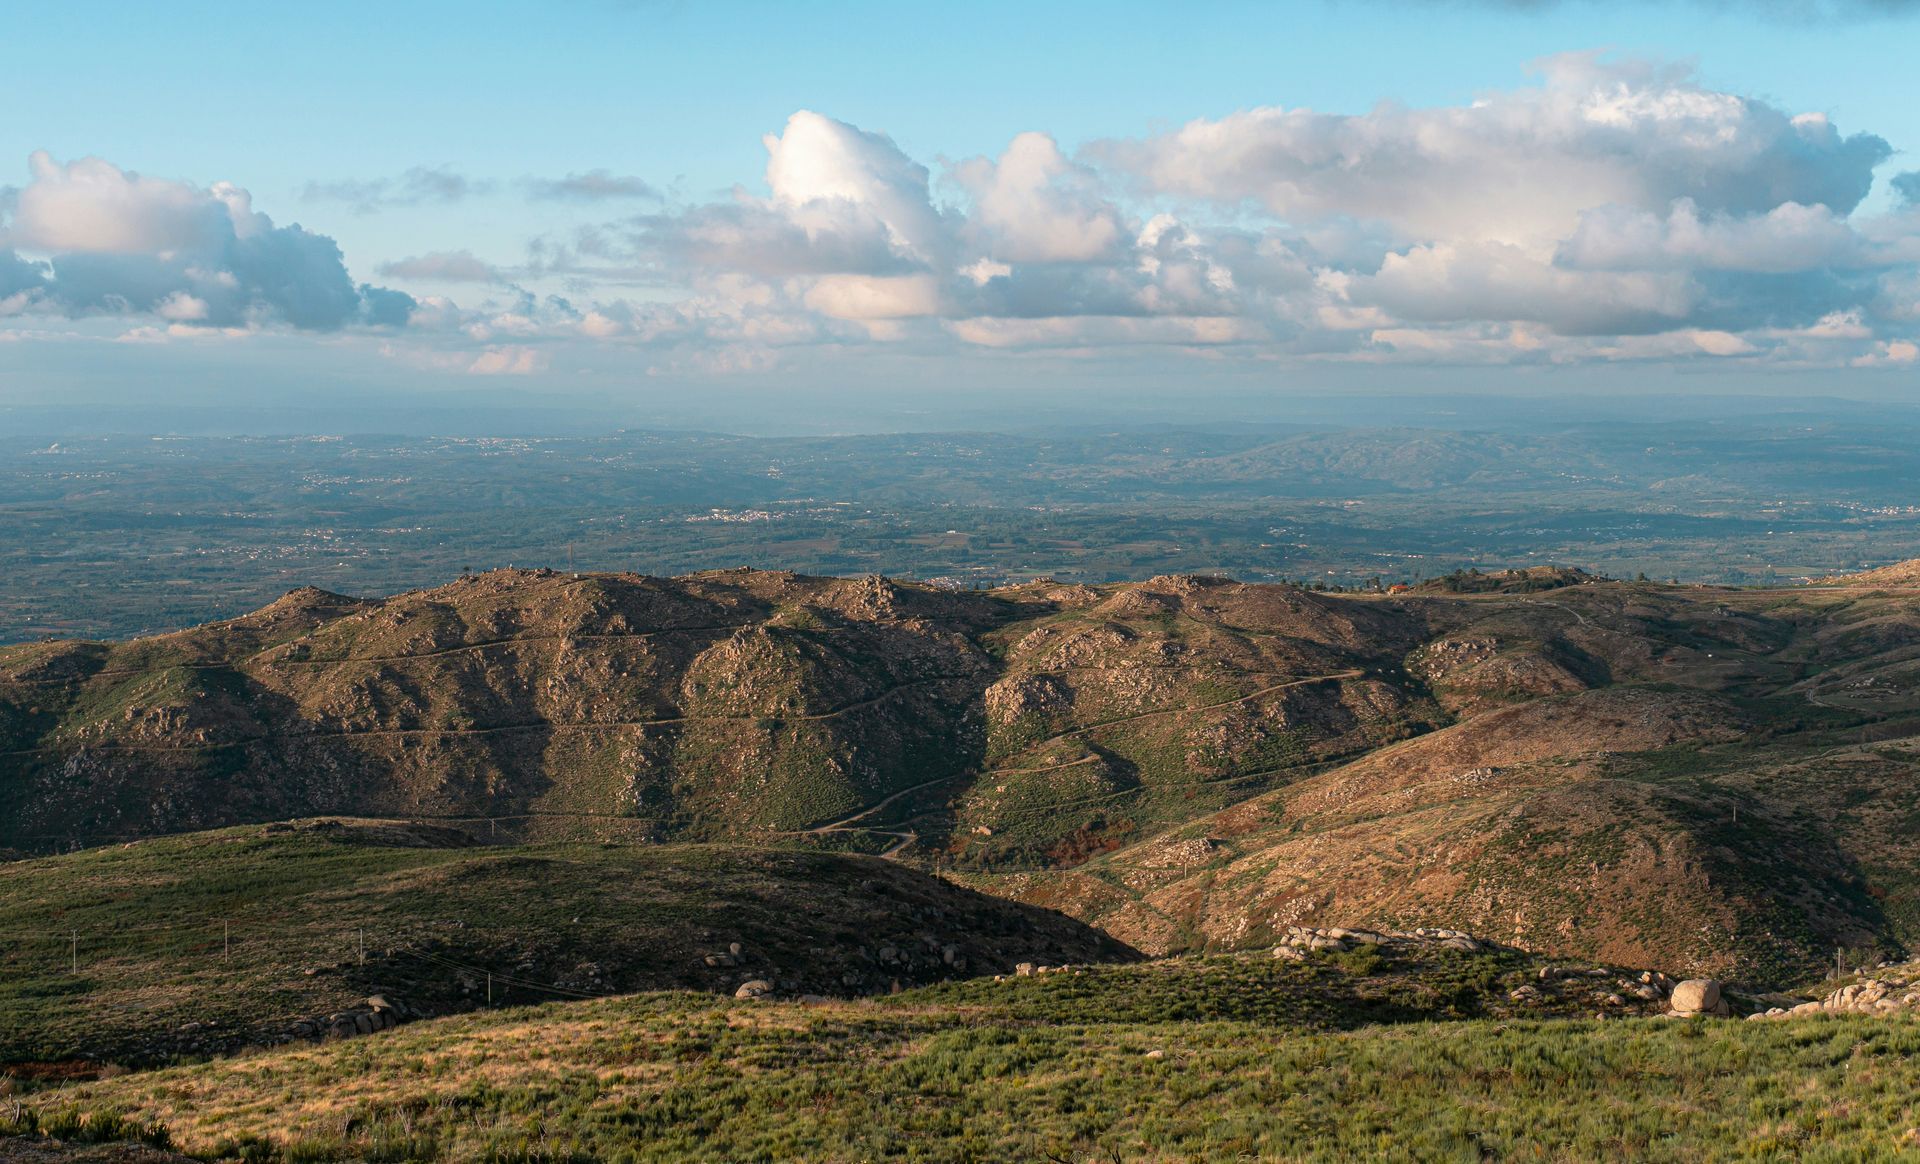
(76, 951)
(489, 988)
(360, 937)
(226, 939)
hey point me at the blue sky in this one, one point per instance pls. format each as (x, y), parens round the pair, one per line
(320, 113)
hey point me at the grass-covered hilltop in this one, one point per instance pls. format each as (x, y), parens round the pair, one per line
(246, 936)
(757, 866)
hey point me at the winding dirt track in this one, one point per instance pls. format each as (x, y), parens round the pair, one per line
(534, 726)
(847, 824)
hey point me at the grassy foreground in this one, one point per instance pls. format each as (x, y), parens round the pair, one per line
(1041, 1069)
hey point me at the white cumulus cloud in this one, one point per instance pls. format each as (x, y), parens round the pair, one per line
(108, 241)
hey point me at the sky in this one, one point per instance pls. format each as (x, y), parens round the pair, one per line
(1173, 203)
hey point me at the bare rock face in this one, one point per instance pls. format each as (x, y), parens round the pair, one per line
(1013, 697)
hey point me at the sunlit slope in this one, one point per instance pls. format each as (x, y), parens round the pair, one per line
(737, 704)
(1703, 780)
(1604, 768)
(1213, 1059)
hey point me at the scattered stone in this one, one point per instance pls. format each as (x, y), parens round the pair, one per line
(754, 988)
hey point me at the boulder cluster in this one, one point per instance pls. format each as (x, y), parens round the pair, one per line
(870, 970)
(1299, 941)
(376, 1013)
(1886, 995)
(1613, 990)
(1034, 970)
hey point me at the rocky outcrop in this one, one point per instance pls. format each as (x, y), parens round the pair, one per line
(374, 1014)
(1891, 990)
(1302, 940)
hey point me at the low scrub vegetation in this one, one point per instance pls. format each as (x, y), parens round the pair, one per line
(1101, 1066)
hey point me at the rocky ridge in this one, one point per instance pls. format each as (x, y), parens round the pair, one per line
(1624, 772)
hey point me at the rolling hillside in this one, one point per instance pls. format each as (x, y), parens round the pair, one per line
(1705, 778)
(1190, 1059)
(261, 935)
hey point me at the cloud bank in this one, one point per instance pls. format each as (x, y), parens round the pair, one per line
(1611, 211)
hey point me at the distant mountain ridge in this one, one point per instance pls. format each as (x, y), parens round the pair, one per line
(1624, 769)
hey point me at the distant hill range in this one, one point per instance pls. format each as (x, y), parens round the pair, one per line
(1686, 777)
